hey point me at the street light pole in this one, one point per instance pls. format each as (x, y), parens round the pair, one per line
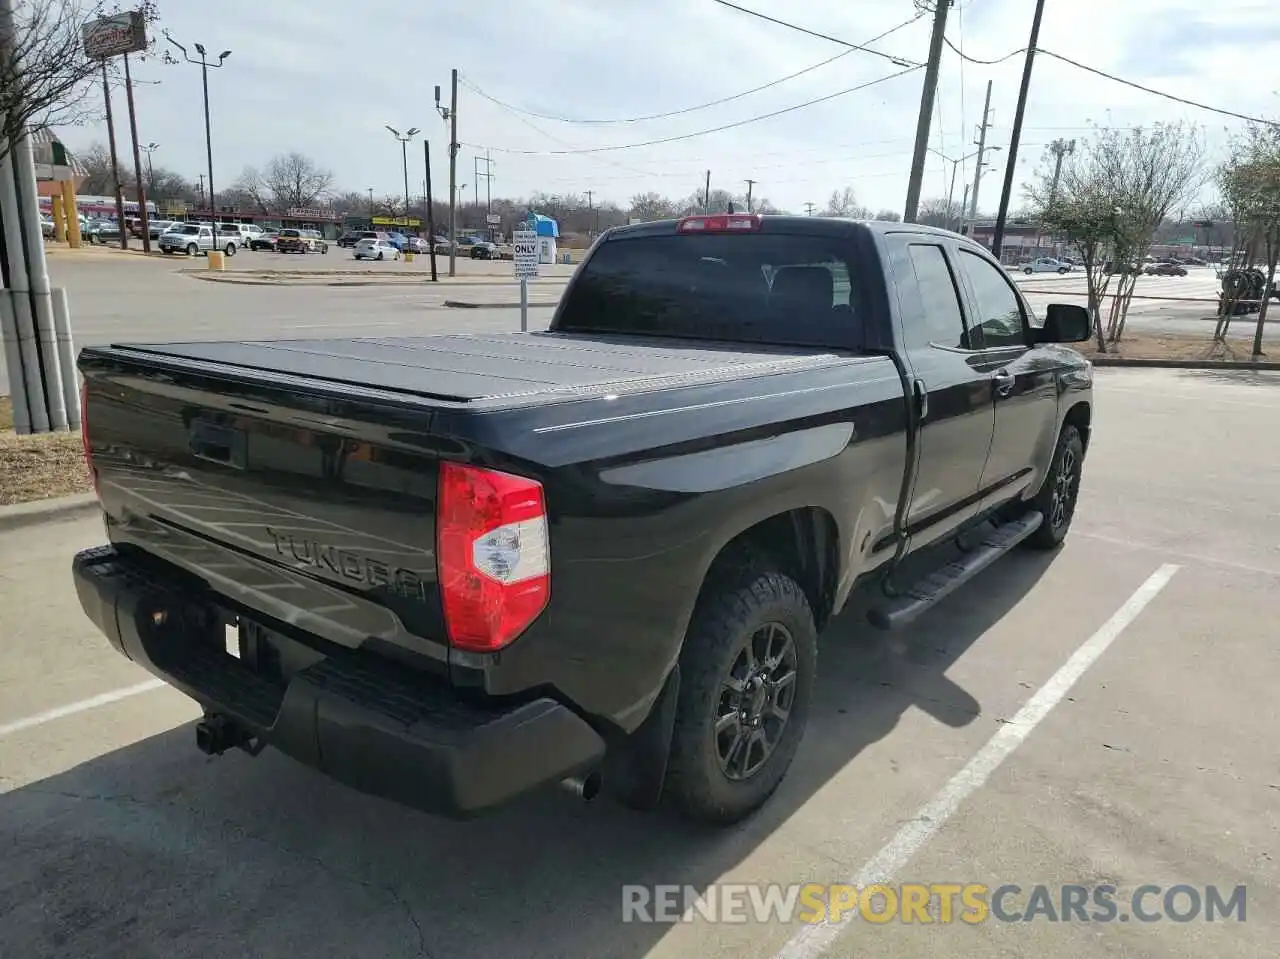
(404, 159)
(149, 149)
(450, 116)
(204, 65)
(955, 165)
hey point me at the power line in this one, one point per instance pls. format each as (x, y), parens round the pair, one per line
(898, 61)
(716, 129)
(983, 63)
(1114, 79)
(1158, 93)
(853, 48)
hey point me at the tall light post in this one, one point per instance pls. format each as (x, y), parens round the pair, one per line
(404, 159)
(204, 65)
(955, 165)
(149, 149)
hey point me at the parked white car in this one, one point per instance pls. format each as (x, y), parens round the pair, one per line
(1046, 264)
(193, 238)
(367, 249)
(248, 232)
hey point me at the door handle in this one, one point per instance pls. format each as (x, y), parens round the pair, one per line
(920, 393)
(1004, 382)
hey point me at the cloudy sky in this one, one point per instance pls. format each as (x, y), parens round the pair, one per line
(323, 78)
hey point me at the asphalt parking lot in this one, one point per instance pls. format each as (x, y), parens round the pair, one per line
(1103, 715)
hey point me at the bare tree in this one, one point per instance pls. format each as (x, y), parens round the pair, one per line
(295, 180)
(251, 186)
(1250, 183)
(1151, 172)
(940, 212)
(1083, 208)
(845, 203)
(1108, 201)
(651, 206)
(45, 77)
(889, 216)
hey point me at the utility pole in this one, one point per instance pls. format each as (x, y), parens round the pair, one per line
(997, 239)
(115, 164)
(982, 154)
(926, 109)
(143, 220)
(430, 204)
(706, 197)
(1059, 149)
(750, 184)
(488, 183)
(453, 171)
(808, 209)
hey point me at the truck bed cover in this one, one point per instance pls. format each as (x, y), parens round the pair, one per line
(494, 367)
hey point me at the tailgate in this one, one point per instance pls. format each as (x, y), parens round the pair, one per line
(316, 512)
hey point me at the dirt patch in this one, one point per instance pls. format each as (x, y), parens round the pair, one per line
(1202, 349)
(38, 467)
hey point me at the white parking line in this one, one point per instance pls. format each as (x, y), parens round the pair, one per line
(93, 702)
(812, 941)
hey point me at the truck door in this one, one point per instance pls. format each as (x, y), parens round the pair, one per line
(952, 393)
(1024, 383)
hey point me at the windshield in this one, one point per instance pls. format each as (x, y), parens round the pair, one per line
(763, 288)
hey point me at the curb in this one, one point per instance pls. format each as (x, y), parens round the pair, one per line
(505, 305)
(1263, 365)
(46, 511)
(214, 277)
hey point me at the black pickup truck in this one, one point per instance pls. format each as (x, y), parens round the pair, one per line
(452, 569)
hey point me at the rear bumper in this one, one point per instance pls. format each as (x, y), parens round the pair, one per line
(401, 737)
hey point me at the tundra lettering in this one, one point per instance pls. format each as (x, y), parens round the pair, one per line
(358, 569)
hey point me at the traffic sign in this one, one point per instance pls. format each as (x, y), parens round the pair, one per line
(493, 219)
(526, 254)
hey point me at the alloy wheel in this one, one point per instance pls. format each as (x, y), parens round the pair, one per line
(755, 701)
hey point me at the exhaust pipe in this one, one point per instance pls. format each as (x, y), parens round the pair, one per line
(585, 787)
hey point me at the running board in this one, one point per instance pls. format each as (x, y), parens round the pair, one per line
(939, 584)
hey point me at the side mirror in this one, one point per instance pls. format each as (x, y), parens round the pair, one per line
(1066, 323)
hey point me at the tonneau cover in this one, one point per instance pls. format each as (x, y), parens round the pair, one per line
(467, 368)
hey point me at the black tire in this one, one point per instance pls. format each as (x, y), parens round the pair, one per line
(231, 249)
(1057, 498)
(744, 611)
(192, 249)
(380, 255)
(1027, 270)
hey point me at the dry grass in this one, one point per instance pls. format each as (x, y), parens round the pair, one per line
(1201, 349)
(38, 467)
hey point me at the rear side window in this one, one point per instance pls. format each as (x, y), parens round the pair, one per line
(780, 289)
(941, 322)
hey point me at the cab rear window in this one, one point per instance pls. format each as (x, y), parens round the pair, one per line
(781, 289)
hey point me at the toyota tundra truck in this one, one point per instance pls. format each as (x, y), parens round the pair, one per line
(451, 570)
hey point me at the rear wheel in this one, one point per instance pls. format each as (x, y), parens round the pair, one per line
(1027, 270)
(380, 256)
(192, 249)
(747, 673)
(1056, 500)
(231, 249)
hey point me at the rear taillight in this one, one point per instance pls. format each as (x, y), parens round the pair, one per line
(721, 223)
(84, 434)
(492, 555)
